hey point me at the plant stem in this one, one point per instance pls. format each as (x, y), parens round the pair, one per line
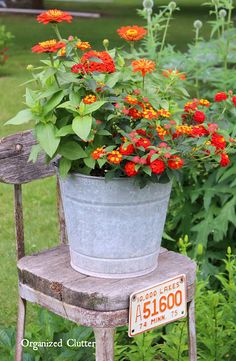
(57, 32)
(216, 333)
(227, 40)
(165, 31)
(217, 18)
(55, 75)
(143, 82)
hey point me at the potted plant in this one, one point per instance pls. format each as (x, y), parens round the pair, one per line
(123, 130)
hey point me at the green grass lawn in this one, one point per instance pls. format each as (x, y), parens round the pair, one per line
(39, 197)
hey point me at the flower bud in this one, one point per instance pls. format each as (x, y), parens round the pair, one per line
(222, 13)
(148, 4)
(200, 249)
(149, 11)
(70, 38)
(229, 250)
(30, 67)
(172, 5)
(198, 24)
(106, 43)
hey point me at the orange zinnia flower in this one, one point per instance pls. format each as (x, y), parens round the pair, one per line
(83, 45)
(89, 99)
(144, 66)
(62, 51)
(115, 157)
(132, 33)
(164, 113)
(131, 100)
(167, 73)
(54, 16)
(49, 46)
(98, 153)
(204, 103)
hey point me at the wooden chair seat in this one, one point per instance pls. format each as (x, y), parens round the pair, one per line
(47, 276)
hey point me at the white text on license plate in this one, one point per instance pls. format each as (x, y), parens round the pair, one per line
(157, 305)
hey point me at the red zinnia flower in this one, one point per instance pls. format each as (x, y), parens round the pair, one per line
(225, 161)
(104, 63)
(130, 169)
(199, 131)
(234, 100)
(141, 132)
(143, 142)
(132, 33)
(49, 46)
(126, 150)
(175, 162)
(135, 113)
(218, 141)
(189, 106)
(199, 117)
(77, 68)
(54, 16)
(144, 66)
(157, 166)
(220, 97)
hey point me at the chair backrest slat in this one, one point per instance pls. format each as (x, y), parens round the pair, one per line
(19, 221)
(14, 165)
(15, 169)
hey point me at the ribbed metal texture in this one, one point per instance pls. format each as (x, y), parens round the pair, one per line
(114, 228)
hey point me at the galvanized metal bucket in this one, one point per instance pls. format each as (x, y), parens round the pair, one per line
(114, 227)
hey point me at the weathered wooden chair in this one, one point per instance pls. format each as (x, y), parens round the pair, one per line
(48, 280)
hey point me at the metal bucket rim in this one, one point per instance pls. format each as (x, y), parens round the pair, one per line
(129, 179)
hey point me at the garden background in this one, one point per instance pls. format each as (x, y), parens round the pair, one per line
(217, 295)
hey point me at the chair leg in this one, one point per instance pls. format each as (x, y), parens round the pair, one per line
(104, 344)
(192, 331)
(20, 329)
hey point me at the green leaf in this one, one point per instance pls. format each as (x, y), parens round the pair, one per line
(101, 162)
(103, 132)
(184, 92)
(29, 97)
(64, 166)
(46, 135)
(24, 116)
(67, 105)
(67, 129)
(53, 102)
(90, 108)
(72, 150)
(35, 150)
(82, 126)
(147, 170)
(75, 98)
(90, 162)
(113, 79)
